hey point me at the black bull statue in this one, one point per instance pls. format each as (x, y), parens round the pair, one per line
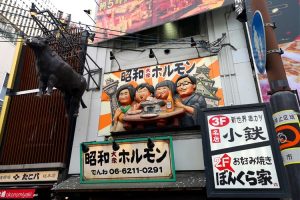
(53, 71)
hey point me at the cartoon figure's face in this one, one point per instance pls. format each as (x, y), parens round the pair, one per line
(162, 92)
(142, 94)
(124, 97)
(185, 87)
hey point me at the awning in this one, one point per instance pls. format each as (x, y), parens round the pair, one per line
(187, 180)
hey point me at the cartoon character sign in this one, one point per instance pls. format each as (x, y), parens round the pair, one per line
(168, 95)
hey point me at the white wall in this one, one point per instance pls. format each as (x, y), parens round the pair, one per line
(236, 74)
(7, 51)
(237, 83)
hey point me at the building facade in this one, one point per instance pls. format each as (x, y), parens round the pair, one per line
(137, 42)
(236, 74)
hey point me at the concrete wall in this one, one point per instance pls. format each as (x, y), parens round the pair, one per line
(236, 79)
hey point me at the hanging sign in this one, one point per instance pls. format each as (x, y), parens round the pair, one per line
(32, 176)
(242, 157)
(165, 96)
(131, 161)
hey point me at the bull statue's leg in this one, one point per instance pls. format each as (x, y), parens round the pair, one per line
(51, 82)
(67, 99)
(75, 103)
(42, 87)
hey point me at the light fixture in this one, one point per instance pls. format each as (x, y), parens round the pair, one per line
(194, 44)
(275, 10)
(115, 146)
(152, 55)
(84, 148)
(92, 37)
(68, 19)
(59, 14)
(112, 57)
(240, 10)
(33, 11)
(88, 12)
(150, 144)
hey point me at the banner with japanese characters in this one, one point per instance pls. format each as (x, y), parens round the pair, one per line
(245, 169)
(17, 193)
(287, 126)
(119, 17)
(237, 129)
(241, 153)
(136, 160)
(32, 176)
(161, 96)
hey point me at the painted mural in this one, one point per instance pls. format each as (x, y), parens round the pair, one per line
(160, 96)
(119, 17)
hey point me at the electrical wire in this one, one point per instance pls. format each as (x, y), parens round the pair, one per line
(76, 23)
(134, 39)
(104, 33)
(118, 48)
(129, 35)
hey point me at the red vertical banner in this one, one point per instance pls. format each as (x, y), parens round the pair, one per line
(17, 194)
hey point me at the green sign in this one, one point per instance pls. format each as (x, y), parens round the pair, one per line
(132, 160)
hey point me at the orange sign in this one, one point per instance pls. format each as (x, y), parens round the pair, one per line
(166, 95)
(288, 136)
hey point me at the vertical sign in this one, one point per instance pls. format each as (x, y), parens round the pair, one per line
(242, 157)
(287, 128)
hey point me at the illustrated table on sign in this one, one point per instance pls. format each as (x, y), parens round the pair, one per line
(140, 120)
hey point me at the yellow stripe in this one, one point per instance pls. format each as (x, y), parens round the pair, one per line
(10, 85)
(291, 163)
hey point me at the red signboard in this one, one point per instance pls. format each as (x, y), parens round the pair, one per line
(118, 17)
(17, 194)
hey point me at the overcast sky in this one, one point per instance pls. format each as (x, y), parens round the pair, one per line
(75, 8)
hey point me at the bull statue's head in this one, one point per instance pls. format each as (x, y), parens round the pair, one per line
(37, 42)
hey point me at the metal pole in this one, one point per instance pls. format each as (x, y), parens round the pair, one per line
(284, 104)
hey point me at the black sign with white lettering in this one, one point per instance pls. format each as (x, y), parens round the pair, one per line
(242, 157)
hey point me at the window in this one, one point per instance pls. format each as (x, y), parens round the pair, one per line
(195, 25)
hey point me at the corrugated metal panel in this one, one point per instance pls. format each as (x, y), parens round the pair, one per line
(37, 129)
